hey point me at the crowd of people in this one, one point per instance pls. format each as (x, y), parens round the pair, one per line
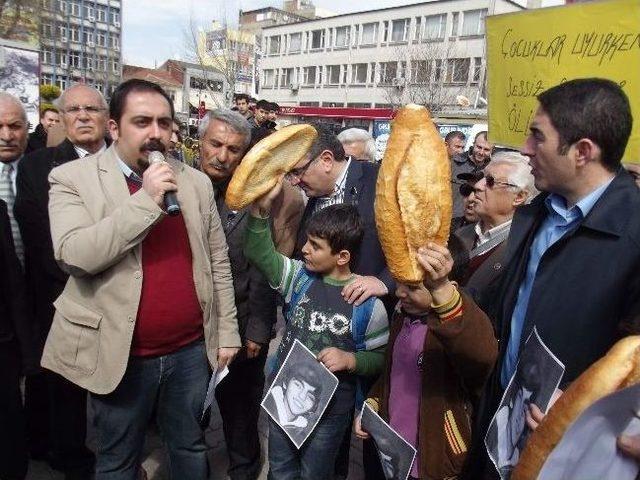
(108, 299)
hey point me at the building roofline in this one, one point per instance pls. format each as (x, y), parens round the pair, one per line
(266, 9)
(512, 2)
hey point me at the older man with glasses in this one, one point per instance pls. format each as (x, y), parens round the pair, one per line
(56, 408)
(506, 184)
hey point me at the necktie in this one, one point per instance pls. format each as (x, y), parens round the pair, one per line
(8, 195)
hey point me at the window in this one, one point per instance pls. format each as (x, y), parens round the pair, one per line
(102, 14)
(88, 61)
(369, 34)
(47, 30)
(115, 42)
(62, 59)
(115, 66)
(399, 30)
(434, 27)
(372, 72)
(87, 37)
(333, 74)
(102, 39)
(62, 6)
(309, 76)
(75, 34)
(342, 35)
(458, 70)
(437, 74)
(274, 45)
(45, 56)
(420, 71)
(75, 9)
(74, 59)
(268, 77)
(473, 22)
(295, 42)
(344, 77)
(418, 32)
(286, 77)
(320, 74)
(356, 34)
(317, 39)
(47, 79)
(385, 31)
(388, 72)
(115, 16)
(89, 11)
(455, 20)
(359, 73)
(61, 83)
(477, 69)
(62, 31)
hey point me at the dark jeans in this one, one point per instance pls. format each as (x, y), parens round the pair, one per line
(176, 384)
(13, 441)
(316, 458)
(57, 422)
(239, 396)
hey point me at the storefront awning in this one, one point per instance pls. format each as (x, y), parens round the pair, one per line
(339, 112)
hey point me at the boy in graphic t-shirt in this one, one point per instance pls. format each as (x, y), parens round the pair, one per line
(348, 340)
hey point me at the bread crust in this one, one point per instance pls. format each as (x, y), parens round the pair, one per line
(413, 192)
(604, 377)
(266, 162)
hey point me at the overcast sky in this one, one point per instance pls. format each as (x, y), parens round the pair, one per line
(154, 31)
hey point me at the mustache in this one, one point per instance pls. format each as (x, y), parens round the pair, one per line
(215, 163)
(4, 143)
(153, 146)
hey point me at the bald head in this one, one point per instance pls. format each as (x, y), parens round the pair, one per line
(84, 115)
(13, 128)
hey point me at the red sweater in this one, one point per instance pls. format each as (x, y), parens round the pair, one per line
(169, 314)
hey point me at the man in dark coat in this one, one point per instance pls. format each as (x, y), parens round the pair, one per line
(38, 138)
(56, 409)
(573, 254)
(224, 139)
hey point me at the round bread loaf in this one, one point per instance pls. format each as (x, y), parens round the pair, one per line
(413, 192)
(266, 162)
(618, 369)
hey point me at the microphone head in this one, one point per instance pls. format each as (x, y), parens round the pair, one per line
(156, 157)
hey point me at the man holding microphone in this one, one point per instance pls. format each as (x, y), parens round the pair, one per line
(149, 304)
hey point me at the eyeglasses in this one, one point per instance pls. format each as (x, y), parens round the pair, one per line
(89, 109)
(299, 172)
(492, 182)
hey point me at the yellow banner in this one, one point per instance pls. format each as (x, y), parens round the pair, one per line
(528, 52)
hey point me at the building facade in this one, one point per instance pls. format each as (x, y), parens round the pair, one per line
(80, 41)
(171, 83)
(430, 53)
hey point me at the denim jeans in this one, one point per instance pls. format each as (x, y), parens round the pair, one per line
(316, 458)
(176, 384)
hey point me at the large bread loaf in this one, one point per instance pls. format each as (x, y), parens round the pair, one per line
(618, 369)
(266, 162)
(413, 192)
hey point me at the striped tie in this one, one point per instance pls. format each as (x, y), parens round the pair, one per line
(8, 195)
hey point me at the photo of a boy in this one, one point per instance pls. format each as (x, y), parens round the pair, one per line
(348, 340)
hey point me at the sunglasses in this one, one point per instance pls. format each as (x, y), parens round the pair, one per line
(467, 189)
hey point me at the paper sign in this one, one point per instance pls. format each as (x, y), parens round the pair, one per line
(531, 51)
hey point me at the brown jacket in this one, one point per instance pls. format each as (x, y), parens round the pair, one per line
(458, 357)
(97, 228)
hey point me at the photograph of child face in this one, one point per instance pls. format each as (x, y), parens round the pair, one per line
(538, 374)
(396, 455)
(300, 393)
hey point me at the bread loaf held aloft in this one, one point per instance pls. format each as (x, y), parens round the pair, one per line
(266, 162)
(413, 192)
(618, 369)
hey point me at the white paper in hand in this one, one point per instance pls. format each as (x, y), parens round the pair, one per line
(216, 377)
(588, 448)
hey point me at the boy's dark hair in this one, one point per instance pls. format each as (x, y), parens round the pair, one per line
(593, 108)
(122, 91)
(263, 104)
(242, 96)
(273, 107)
(48, 109)
(340, 226)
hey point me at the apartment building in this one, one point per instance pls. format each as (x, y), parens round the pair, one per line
(80, 41)
(430, 53)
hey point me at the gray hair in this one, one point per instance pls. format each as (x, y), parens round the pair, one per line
(8, 98)
(353, 135)
(519, 173)
(234, 120)
(60, 101)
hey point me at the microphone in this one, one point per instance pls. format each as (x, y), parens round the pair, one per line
(170, 200)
